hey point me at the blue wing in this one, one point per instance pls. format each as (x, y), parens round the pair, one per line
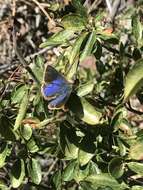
(59, 101)
(55, 87)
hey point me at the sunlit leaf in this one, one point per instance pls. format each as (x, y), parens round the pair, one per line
(68, 173)
(116, 167)
(32, 146)
(17, 173)
(34, 171)
(26, 131)
(74, 22)
(22, 111)
(137, 28)
(89, 45)
(136, 167)
(85, 89)
(105, 180)
(58, 38)
(135, 151)
(3, 154)
(134, 80)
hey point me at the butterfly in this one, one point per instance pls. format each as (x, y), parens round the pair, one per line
(55, 88)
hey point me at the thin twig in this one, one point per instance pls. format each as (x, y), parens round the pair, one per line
(37, 53)
(13, 8)
(109, 6)
(94, 5)
(51, 167)
(115, 8)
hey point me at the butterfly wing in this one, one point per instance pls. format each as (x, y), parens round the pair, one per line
(60, 100)
(55, 87)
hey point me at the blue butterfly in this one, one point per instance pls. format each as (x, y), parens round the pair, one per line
(55, 88)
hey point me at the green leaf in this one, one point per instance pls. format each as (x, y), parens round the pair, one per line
(135, 151)
(80, 9)
(3, 153)
(81, 173)
(74, 55)
(17, 173)
(85, 89)
(38, 68)
(137, 29)
(6, 129)
(76, 47)
(34, 171)
(22, 110)
(18, 93)
(84, 110)
(57, 180)
(134, 80)
(86, 150)
(137, 187)
(74, 22)
(90, 114)
(105, 180)
(32, 146)
(136, 167)
(137, 54)
(3, 186)
(89, 45)
(26, 131)
(68, 173)
(58, 38)
(69, 142)
(84, 157)
(116, 167)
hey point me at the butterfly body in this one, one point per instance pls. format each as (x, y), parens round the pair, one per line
(55, 88)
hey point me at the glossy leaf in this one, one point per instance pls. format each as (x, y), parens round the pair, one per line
(68, 173)
(34, 171)
(3, 186)
(57, 180)
(69, 142)
(17, 173)
(137, 187)
(85, 89)
(90, 114)
(26, 131)
(134, 80)
(58, 38)
(137, 28)
(6, 130)
(74, 22)
(74, 56)
(89, 46)
(84, 157)
(18, 93)
(32, 146)
(135, 151)
(84, 110)
(80, 9)
(22, 111)
(81, 173)
(76, 47)
(136, 167)
(116, 167)
(105, 180)
(3, 154)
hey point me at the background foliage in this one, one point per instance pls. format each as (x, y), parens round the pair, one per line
(97, 143)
